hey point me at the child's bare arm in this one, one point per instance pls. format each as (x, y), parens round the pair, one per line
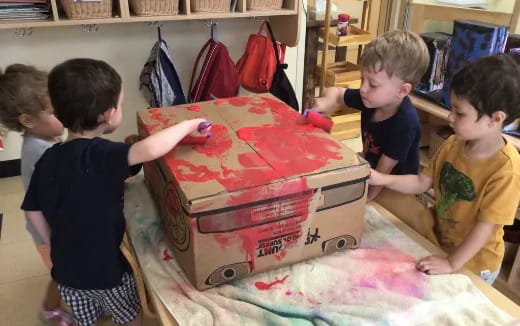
(384, 165)
(332, 97)
(160, 143)
(38, 221)
(473, 242)
(408, 184)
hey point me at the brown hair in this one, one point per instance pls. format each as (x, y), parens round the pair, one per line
(23, 90)
(490, 84)
(81, 90)
(399, 53)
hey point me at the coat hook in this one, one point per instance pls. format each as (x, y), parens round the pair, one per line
(211, 23)
(154, 24)
(24, 31)
(260, 20)
(89, 28)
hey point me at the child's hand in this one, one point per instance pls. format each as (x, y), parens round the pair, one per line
(199, 127)
(323, 104)
(329, 101)
(433, 265)
(376, 178)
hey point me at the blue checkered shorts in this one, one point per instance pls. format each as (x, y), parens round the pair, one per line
(87, 305)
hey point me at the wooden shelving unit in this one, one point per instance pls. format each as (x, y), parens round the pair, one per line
(347, 122)
(356, 36)
(344, 74)
(285, 20)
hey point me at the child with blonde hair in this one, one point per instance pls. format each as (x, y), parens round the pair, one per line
(25, 107)
(391, 65)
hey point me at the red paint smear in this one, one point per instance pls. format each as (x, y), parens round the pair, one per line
(235, 101)
(235, 121)
(289, 292)
(288, 152)
(280, 256)
(195, 108)
(257, 110)
(166, 256)
(391, 270)
(267, 286)
(251, 236)
(251, 160)
(185, 171)
(163, 118)
(288, 148)
(219, 142)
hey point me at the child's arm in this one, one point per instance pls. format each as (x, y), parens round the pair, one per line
(408, 184)
(384, 165)
(473, 242)
(332, 97)
(38, 221)
(160, 143)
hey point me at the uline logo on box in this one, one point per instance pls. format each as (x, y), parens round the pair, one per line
(273, 246)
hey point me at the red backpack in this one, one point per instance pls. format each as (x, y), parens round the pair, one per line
(258, 64)
(218, 77)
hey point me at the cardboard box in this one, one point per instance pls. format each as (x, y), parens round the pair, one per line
(263, 192)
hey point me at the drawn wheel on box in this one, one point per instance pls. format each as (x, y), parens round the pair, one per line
(338, 244)
(174, 217)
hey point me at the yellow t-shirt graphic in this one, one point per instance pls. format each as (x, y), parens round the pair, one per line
(468, 190)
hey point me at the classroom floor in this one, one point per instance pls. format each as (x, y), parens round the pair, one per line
(23, 276)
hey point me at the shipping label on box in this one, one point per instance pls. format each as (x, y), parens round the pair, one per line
(265, 190)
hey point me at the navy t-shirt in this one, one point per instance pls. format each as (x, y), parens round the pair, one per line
(397, 137)
(78, 185)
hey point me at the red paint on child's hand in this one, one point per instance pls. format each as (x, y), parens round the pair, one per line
(267, 286)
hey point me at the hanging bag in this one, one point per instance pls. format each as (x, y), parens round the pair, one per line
(258, 63)
(281, 86)
(218, 77)
(159, 81)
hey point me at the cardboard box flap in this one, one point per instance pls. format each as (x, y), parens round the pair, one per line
(257, 140)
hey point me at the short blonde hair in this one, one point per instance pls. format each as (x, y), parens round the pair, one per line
(399, 53)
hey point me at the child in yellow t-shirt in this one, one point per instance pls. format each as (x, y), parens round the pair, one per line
(475, 173)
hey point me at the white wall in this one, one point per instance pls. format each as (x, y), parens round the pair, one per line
(126, 48)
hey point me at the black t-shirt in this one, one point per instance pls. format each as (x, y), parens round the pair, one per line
(397, 137)
(78, 185)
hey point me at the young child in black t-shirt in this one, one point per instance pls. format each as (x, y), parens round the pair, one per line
(391, 65)
(74, 197)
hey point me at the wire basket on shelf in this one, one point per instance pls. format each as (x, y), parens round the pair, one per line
(210, 5)
(264, 4)
(154, 7)
(87, 9)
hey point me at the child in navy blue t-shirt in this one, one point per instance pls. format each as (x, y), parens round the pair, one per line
(75, 194)
(391, 65)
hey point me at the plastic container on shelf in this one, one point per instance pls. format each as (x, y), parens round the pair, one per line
(342, 26)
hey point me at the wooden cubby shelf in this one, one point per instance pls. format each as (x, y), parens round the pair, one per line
(123, 14)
